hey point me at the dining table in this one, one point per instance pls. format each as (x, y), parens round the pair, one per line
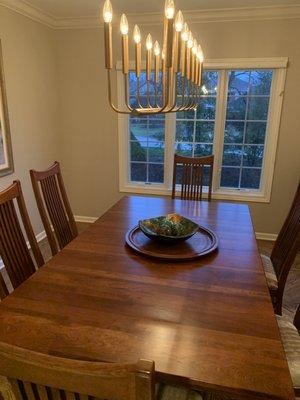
(208, 323)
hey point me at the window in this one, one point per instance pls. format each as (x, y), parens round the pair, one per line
(146, 141)
(237, 120)
(245, 128)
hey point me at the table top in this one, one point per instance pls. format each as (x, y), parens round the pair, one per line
(207, 323)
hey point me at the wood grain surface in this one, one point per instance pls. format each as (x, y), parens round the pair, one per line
(207, 323)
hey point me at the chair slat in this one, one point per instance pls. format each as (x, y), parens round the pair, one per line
(13, 247)
(54, 207)
(193, 169)
(42, 392)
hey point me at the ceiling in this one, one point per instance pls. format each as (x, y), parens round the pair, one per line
(87, 8)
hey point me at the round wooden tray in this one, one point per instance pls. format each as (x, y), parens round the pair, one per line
(201, 244)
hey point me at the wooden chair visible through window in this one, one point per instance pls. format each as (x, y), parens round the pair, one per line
(54, 206)
(193, 173)
(278, 265)
(13, 248)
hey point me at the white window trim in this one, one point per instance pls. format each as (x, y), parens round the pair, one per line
(279, 64)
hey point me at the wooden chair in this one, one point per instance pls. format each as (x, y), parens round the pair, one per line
(193, 178)
(13, 248)
(26, 375)
(3, 288)
(278, 265)
(54, 207)
(291, 343)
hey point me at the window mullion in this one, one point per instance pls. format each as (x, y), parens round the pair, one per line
(221, 106)
(170, 131)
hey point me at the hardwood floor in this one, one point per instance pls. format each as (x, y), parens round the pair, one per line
(291, 297)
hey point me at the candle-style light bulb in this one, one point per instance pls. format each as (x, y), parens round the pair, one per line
(179, 21)
(190, 41)
(107, 11)
(169, 9)
(136, 34)
(195, 47)
(149, 43)
(124, 25)
(156, 48)
(185, 33)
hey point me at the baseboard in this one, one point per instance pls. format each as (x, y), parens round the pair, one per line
(86, 220)
(266, 236)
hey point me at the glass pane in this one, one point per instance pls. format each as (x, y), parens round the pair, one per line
(184, 149)
(156, 173)
(232, 155)
(238, 83)
(206, 108)
(138, 172)
(258, 108)
(138, 151)
(260, 82)
(236, 107)
(230, 177)
(250, 178)
(204, 131)
(210, 82)
(186, 114)
(256, 132)
(156, 152)
(253, 156)
(202, 150)
(156, 129)
(179, 170)
(184, 131)
(138, 130)
(234, 132)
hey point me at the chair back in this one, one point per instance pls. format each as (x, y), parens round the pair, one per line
(13, 248)
(27, 375)
(287, 244)
(3, 288)
(54, 206)
(193, 176)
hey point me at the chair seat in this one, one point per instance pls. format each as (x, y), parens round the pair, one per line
(270, 272)
(291, 343)
(168, 392)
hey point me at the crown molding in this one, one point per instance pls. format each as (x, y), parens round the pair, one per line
(27, 10)
(195, 16)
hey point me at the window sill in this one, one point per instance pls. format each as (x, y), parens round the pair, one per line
(158, 190)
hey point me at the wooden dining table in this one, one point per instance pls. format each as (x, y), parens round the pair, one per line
(207, 323)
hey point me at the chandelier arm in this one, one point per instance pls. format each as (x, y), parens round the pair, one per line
(126, 92)
(138, 96)
(110, 96)
(187, 97)
(183, 100)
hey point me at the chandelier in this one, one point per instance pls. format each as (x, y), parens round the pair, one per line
(173, 72)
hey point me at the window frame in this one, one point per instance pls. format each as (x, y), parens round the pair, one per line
(279, 66)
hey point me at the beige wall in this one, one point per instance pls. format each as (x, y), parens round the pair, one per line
(56, 87)
(89, 127)
(29, 55)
